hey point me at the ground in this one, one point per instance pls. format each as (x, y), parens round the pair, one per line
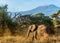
(20, 39)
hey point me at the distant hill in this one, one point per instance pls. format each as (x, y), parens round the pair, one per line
(47, 10)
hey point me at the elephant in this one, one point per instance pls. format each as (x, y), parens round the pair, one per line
(32, 29)
(41, 31)
(38, 31)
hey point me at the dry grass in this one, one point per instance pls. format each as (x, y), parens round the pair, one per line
(7, 38)
(20, 39)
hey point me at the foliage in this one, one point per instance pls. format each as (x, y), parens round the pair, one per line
(5, 19)
(56, 21)
(41, 19)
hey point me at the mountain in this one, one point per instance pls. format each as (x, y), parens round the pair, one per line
(47, 10)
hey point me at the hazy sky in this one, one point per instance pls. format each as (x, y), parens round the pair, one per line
(24, 5)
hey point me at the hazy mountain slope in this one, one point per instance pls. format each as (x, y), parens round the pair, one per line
(47, 10)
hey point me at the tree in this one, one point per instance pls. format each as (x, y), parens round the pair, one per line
(40, 18)
(38, 15)
(54, 16)
(58, 13)
(6, 20)
(56, 19)
(4, 16)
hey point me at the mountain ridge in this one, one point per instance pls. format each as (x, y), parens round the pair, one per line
(47, 10)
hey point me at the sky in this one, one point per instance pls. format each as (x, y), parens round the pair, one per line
(25, 5)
